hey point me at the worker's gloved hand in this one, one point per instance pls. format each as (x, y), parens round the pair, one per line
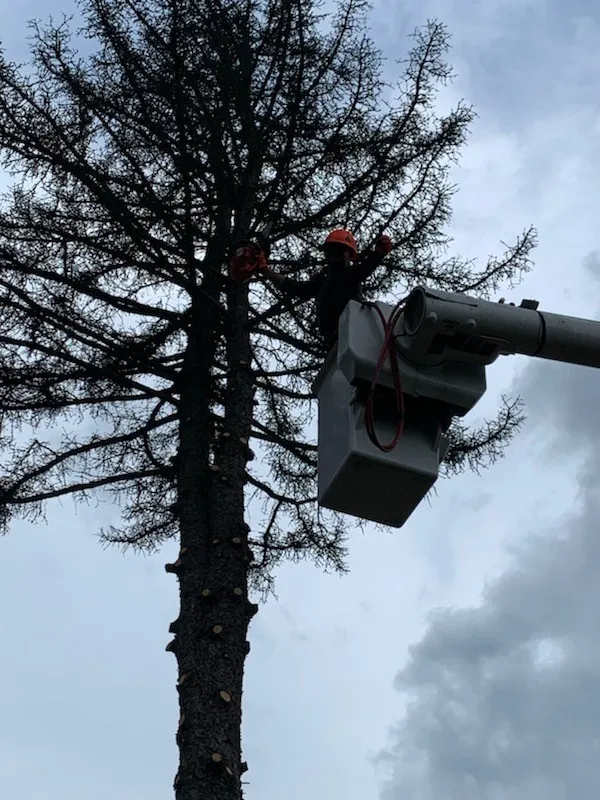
(383, 245)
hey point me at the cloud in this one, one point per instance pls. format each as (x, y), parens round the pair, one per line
(503, 699)
(591, 264)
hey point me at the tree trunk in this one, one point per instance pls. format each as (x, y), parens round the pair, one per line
(210, 642)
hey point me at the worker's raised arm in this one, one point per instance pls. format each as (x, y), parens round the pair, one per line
(369, 260)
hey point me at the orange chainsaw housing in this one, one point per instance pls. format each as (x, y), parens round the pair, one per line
(247, 259)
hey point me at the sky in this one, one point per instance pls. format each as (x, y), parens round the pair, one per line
(459, 657)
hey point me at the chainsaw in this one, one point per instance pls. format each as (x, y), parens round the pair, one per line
(250, 255)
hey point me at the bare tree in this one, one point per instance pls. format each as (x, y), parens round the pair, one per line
(131, 364)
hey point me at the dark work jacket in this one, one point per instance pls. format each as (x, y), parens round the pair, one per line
(332, 290)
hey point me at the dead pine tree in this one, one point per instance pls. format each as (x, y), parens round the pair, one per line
(138, 151)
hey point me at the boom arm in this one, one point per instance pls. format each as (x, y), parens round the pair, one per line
(461, 328)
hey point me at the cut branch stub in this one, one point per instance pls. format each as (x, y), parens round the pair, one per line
(174, 568)
(238, 592)
(172, 646)
(236, 540)
(177, 565)
(218, 762)
(225, 696)
(217, 630)
(174, 626)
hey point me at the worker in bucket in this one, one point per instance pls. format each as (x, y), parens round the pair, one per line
(338, 282)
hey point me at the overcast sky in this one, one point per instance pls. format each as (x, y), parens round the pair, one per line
(459, 659)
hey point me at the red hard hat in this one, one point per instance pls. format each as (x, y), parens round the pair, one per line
(341, 236)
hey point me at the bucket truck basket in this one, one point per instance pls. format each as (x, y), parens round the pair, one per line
(356, 477)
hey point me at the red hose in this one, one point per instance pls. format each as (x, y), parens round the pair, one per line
(388, 350)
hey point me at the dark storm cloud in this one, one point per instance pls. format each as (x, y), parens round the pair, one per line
(504, 698)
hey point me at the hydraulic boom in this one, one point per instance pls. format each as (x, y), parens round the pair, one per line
(456, 326)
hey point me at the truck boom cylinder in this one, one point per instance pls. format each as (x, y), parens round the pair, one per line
(459, 327)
